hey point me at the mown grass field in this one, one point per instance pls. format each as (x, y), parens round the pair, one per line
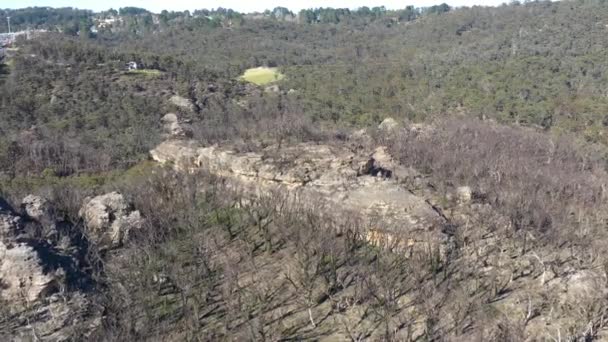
(262, 75)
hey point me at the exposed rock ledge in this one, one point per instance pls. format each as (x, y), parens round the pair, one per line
(351, 182)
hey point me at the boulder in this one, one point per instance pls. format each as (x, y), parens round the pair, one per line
(421, 129)
(109, 220)
(174, 128)
(382, 164)
(37, 208)
(464, 194)
(182, 102)
(388, 125)
(22, 274)
(40, 210)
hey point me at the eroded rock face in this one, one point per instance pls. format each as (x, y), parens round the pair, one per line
(181, 154)
(39, 280)
(109, 220)
(37, 208)
(351, 182)
(41, 210)
(383, 164)
(9, 224)
(22, 274)
(174, 128)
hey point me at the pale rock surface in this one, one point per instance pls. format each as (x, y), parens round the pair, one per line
(40, 210)
(22, 274)
(109, 220)
(464, 194)
(182, 102)
(346, 181)
(34, 280)
(37, 208)
(174, 128)
(181, 154)
(385, 165)
(388, 125)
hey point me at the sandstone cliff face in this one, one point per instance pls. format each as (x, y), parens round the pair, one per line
(363, 183)
(23, 275)
(41, 270)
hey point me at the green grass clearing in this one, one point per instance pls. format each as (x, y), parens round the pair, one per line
(262, 75)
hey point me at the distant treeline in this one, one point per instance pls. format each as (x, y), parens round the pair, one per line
(70, 19)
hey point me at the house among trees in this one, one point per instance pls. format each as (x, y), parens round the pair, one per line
(6, 39)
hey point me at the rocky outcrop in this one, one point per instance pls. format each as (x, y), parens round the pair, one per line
(383, 164)
(464, 194)
(352, 182)
(38, 208)
(42, 278)
(23, 274)
(388, 125)
(10, 224)
(174, 128)
(180, 154)
(109, 220)
(182, 102)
